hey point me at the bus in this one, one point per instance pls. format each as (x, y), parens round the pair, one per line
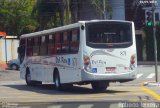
(94, 52)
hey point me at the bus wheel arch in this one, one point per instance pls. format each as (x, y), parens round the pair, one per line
(28, 77)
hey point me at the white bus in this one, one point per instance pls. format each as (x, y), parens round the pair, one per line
(88, 52)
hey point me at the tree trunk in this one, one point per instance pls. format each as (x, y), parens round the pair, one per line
(61, 11)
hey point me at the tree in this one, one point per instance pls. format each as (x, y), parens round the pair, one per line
(88, 9)
(23, 16)
(48, 13)
(98, 4)
(15, 15)
(74, 8)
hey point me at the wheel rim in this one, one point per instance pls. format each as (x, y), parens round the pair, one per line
(14, 67)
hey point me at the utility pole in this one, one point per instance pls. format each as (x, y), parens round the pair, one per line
(104, 9)
(155, 40)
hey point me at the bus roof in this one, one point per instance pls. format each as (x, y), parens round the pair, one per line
(45, 32)
(63, 28)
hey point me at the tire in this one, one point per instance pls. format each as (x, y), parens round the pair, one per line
(57, 82)
(30, 82)
(100, 85)
(14, 67)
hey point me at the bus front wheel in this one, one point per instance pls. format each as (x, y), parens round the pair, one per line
(99, 85)
(31, 82)
(28, 79)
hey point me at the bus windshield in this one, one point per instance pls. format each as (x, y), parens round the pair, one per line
(109, 34)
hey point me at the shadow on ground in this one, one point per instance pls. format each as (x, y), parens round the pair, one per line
(50, 89)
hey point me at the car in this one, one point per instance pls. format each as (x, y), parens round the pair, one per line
(13, 64)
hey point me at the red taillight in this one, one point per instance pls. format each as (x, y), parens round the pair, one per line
(86, 60)
(132, 59)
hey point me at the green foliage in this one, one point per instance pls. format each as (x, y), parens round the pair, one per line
(150, 42)
(47, 13)
(99, 6)
(15, 15)
(24, 16)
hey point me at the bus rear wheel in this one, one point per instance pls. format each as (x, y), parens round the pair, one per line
(58, 84)
(100, 85)
(57, 81)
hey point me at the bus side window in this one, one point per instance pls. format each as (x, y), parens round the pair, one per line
(65, 42)
(74, 42)
(44, 45)
(21, 50)
(22, 42)
(57, 43)
(36, 43)
(51, 44)
(29, 47)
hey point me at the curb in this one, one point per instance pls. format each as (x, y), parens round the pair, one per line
(151, 84)
(147, 63)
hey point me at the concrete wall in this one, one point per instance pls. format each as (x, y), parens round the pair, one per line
(11, 46)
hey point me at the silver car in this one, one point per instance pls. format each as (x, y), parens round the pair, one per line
(13, 64)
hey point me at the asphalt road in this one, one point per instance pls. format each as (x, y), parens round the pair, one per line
(117, 95)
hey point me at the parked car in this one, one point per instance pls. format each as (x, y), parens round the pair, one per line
(13, 64)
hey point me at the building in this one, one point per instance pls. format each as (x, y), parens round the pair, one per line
(8, 49)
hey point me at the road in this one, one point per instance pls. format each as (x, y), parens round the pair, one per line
(12, 89)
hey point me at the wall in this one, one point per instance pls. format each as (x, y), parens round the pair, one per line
(11, 45)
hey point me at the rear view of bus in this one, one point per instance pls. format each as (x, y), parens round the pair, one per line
(109, 52)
